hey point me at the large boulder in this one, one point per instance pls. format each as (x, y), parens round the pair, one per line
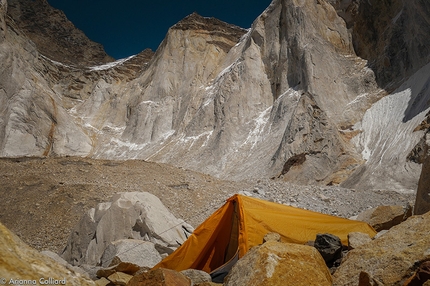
(142, 253)
(390, 259)
(275, 263)
(384, 217)
(20, 263)
(136, 215)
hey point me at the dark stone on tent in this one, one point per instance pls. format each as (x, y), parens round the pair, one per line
(329, 246)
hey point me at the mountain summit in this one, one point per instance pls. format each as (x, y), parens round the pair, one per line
(315, 92)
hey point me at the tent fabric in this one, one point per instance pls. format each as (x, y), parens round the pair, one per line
(242, 222)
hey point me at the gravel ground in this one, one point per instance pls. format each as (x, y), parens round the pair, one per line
(329, 199)
(42, 199)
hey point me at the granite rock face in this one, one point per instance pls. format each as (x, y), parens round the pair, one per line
(3, 26)
(34, 116)
(308, 94)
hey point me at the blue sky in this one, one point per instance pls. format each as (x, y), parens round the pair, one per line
(127, 27)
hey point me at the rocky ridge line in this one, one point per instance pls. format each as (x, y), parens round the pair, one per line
(54, 35)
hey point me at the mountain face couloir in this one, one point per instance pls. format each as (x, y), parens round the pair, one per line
(315, 92)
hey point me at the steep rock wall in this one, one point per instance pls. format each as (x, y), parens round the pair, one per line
(393, 37)
(287, 98)
(218, 123)
(33, 122)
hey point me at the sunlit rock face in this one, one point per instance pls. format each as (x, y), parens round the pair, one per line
(238, 114)
(33, 116)
(23, 265)
(301, 95)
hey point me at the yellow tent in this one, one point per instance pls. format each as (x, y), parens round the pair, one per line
(242, 222)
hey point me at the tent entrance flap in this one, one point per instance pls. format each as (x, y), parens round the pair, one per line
(221, 272)
(233, 244)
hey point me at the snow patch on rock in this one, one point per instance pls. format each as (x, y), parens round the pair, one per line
(260, 123)
(111, 65)
(384, 132)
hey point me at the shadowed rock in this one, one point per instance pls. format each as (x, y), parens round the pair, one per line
(54, 35)
(329, 246)
(422, 201)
